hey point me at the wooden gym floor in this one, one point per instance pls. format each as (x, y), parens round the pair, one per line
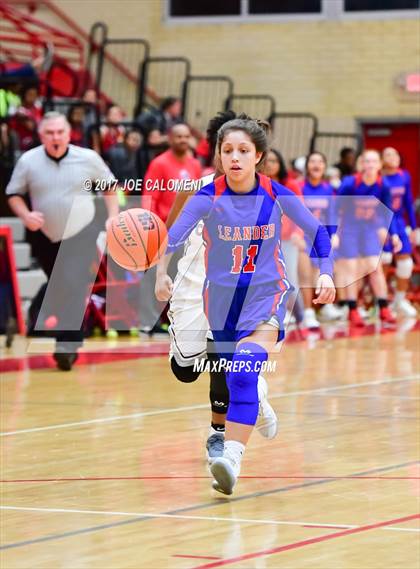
(104, 466)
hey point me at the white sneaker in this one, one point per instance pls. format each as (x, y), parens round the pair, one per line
(309, 318)
(225, 472)
(405, 308)
(329, 312)
(267, 422)
(365, 314)
(343, 312)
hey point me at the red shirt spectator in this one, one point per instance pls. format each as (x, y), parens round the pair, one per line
(174, 164)
(112, 132)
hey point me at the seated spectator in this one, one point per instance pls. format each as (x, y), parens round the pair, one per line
(76, 119)
(112, 132)
(126, 160)
(31, 104)
(347, 162)
(91, 108)
(156, 124)
(26, 119)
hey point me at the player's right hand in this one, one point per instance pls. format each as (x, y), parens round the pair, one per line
(164, 287)
(33, 220)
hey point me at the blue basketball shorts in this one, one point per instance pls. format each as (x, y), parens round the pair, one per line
(234, 313)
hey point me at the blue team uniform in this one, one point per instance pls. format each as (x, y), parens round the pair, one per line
(401, 204)
(361, 216)
(319, 200)
(246, 282)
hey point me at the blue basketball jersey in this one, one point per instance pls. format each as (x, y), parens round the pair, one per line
(242, 231)
(364, 207)
(319, 200)
(401, 196)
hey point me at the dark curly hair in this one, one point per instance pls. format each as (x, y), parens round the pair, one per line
(257, 131)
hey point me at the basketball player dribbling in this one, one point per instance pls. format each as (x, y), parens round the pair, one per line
(246, 287)
(191, 339)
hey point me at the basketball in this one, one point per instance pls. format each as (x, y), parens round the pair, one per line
(136, 239)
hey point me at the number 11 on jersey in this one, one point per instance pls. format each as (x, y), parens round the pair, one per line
(238, 259)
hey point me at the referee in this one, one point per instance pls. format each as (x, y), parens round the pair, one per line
(61, 215)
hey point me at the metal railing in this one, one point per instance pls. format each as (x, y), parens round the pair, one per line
(293, 133)
(161, 77)
(256, 106)
(203, 96)
(330, 144)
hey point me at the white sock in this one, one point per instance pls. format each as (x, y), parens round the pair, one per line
(214, 432)
(399, 296)
(234, 451)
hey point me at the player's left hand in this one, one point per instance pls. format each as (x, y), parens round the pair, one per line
(325, 290)
(396, 243)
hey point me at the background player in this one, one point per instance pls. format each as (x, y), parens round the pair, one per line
(246, 287)
(362, 234)
(317, 195)
(402, 205)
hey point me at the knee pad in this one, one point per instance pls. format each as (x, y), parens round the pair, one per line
(242, 380)
(185, 374)
(386, 257)
(404, 268)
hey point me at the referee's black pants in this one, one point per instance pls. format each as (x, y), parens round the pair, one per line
(67, 265)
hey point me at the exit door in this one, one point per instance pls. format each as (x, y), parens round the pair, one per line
(405, 137)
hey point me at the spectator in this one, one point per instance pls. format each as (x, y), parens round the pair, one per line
(26, 119)
(297, 172)
(31, 104)
(90, 100)
(156, 124)
(125, 159)
(347, 163)
(76, 119)
(112, 132)
(177, 163)
(333, 177)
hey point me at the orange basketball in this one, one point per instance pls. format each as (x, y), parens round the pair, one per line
(136, 239)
